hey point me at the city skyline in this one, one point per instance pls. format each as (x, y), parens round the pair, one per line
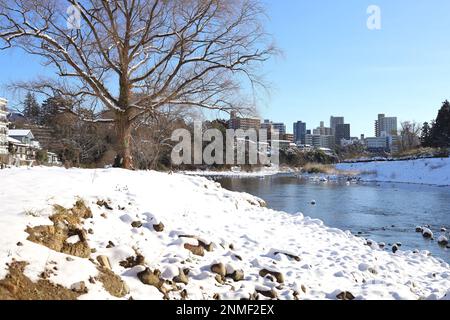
(331, 63)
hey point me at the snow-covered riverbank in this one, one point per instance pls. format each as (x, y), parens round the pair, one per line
(263, 172)
(185, 237)
(422, 171)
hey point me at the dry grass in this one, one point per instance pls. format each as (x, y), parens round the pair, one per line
(329, 169)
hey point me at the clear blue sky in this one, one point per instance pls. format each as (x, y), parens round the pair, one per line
(332, 64)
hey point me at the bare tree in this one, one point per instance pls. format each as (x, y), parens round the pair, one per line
(409, 135)
(132, 57)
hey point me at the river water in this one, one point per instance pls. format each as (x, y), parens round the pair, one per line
(384, 212)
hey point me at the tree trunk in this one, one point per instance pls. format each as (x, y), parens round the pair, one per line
(124, 142)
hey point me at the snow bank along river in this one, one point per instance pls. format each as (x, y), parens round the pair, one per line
(178, 237)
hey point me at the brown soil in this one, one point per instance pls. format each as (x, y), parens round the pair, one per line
(113, 283)
(16, 286)
(66, 223)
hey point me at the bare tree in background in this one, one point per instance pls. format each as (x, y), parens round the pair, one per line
(410, 135)
(129, 58)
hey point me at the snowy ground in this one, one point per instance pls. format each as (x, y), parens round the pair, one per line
(264, 172)
(423, 171)
(310, 260)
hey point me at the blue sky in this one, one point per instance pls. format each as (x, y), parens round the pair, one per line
(332, 64)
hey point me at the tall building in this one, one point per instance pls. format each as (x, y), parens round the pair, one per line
(322, 130)
(388, 125)
(274, 127)
(320, 141)
(341, 131)
(280, 127)
(3, 128)
(300, 132)
(334, 121)
(243, 123)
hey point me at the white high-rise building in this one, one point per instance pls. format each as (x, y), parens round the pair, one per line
(3, 128)
(388, 125)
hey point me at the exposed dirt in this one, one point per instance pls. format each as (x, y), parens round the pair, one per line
(66, 223)
(16, 286)
(112, 283)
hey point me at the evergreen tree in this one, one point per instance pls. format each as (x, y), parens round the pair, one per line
(440, 132)
(31, 109)
(50, 108)
(425, 137)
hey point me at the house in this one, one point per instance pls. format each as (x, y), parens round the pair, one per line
(22, 146)
(25, 136)
(53, 159)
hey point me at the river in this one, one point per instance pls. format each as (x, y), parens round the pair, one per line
(383, 212)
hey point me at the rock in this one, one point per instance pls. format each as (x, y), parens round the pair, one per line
(132, 262)
(110, 245)
(207, 246)
(196, 250)
(19, 244)
(237, 275)
(104, 262)
(219, 279)
(136, 224)
(220, 269)
(238, 257)
(419, 229)
(79, 287)
(313, 202)
(427, 233)
(103, 203)
(272, 294)
(70, 259)
(443, 240)
(345, 295)
(216, 296)
(289, 255)
(151, 278)
(90, 231)
(443, 229)
(93, 250)
(182, 277)
(184, 294)
(277, 275)
(159, 227)
(394, 248)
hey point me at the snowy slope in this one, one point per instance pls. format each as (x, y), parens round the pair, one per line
(316, 262)
(422, 171)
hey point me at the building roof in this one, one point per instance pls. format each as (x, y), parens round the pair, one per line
(15, 141)
(21, 133)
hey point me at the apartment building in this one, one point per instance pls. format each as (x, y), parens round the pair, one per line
(3, 128)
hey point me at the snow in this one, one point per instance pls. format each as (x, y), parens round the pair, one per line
(423, 171)
(236, 172)
(245, 236)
